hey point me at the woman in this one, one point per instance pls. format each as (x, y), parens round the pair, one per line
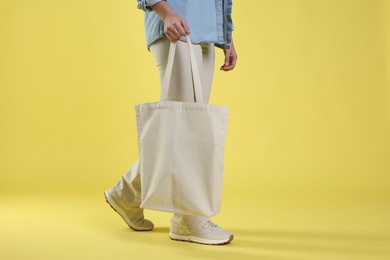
(209, 24)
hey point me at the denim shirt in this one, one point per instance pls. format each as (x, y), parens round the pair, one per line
(209, 20)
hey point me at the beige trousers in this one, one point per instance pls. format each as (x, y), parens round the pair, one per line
(129, 186)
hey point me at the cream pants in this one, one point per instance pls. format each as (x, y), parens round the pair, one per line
(129, 186)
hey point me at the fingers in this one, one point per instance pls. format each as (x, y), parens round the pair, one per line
(230, 61)
(169, 36)
(172, 34)
(175, 27)
(185, 26)
(175, 32)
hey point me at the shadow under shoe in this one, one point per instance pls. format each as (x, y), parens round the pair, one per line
(198, 229)
(133, 216)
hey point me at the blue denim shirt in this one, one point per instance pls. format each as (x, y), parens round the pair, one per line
(209, 20)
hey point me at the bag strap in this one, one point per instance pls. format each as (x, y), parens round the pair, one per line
(197, 84)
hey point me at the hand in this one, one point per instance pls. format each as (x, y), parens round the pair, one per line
(230, 58)
(175, 27)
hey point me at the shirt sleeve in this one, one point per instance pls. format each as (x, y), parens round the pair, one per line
(146, 4)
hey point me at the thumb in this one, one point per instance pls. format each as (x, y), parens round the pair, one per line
(227, 58)
(185, 25)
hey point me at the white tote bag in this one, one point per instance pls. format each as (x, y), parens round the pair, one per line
(181, 147)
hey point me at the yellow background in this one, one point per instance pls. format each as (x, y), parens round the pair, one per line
(308, 148)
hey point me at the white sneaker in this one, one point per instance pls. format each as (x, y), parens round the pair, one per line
(198, 229)
(133, 216)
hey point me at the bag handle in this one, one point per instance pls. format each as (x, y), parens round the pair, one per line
(197, 84)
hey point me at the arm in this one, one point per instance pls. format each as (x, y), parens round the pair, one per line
(174, 25)
(145, 5)
(230, 58)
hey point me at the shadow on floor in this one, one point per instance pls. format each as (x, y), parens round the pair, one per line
(274, 245)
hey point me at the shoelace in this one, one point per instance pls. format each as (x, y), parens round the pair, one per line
(210, 224)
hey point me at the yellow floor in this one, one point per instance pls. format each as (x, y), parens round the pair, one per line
(271, 227)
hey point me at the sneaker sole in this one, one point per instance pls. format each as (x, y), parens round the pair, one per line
(199, 240)
(123, 215)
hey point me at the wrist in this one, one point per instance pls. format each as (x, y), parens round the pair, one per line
(162, 9)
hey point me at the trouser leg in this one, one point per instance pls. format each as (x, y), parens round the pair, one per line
(180, 87)
(128, 187)
(124, 198)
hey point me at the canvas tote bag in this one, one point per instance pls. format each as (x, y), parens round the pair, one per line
(181, 148)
